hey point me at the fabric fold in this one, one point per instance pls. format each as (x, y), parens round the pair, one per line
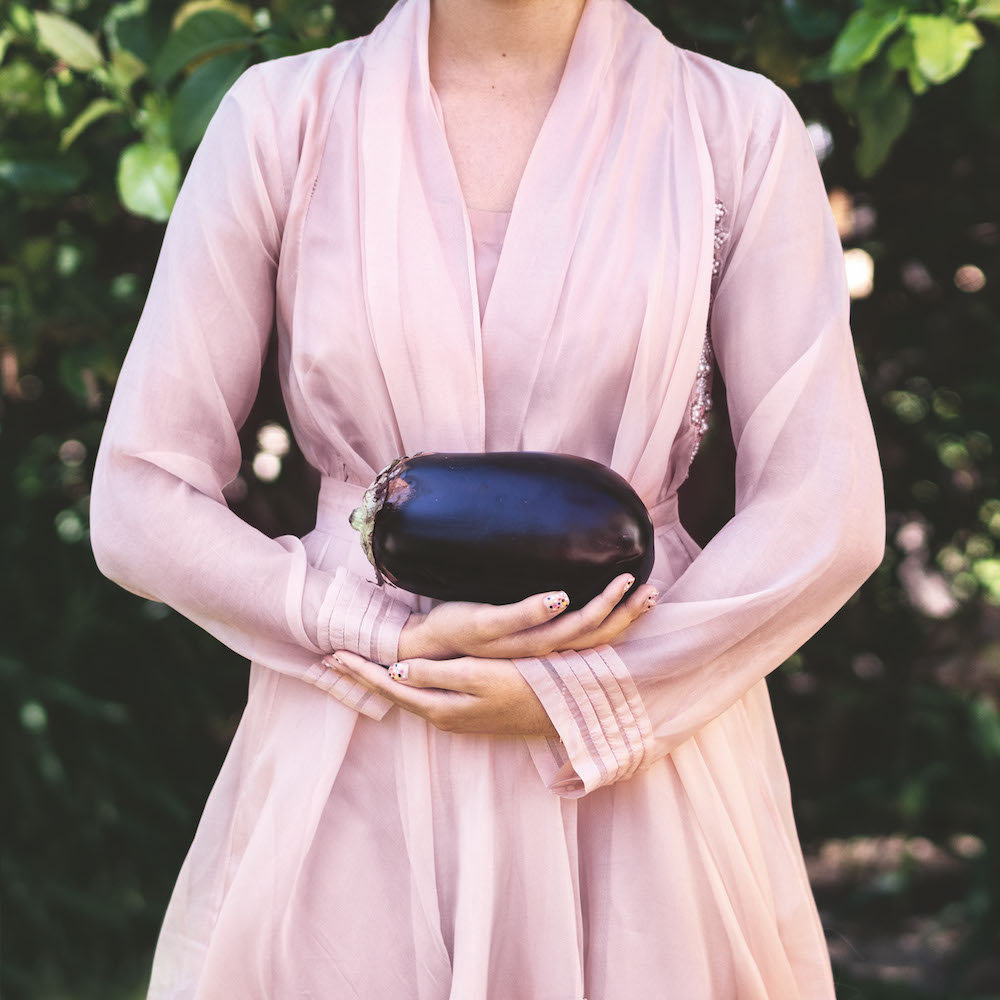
(604, 731)
(159, 523)
(809, 527)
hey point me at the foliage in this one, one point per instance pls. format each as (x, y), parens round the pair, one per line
(117, 712)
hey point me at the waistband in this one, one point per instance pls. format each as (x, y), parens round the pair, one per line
(338, 497)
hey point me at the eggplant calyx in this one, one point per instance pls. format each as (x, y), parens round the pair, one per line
(362, 518)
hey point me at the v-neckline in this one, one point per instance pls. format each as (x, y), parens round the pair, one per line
(417, 234)
(570, 68)
(489, 227)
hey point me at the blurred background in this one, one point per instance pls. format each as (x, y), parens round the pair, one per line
(117, 712)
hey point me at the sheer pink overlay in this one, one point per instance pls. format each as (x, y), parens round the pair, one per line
(347, 848)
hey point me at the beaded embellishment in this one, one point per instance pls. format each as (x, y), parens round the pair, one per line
(702, 402)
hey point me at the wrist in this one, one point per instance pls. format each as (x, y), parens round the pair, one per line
(409, 636)
(416, 643)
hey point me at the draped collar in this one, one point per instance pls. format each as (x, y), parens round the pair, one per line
(440, 362)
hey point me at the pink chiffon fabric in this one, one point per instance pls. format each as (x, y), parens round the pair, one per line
(672, 208)
(488, 231)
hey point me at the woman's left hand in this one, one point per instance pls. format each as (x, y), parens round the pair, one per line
(469, 694)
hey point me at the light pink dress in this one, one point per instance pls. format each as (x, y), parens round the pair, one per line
(348, 849)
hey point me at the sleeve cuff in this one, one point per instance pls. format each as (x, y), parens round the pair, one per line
(348, 691)
(363, 617)
(595, 707)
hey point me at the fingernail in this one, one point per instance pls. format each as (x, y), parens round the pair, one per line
(399, 671)
(628, 583)
(651, 601)
(556, 601)
(332, 661)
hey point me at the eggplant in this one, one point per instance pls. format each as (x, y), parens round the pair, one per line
(497, 527)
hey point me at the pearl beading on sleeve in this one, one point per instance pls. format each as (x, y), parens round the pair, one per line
(702, 402)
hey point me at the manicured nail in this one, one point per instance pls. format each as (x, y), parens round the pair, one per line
(628, 583)
(556, 601)
(651, 601)
(333, 662)
(399, 671)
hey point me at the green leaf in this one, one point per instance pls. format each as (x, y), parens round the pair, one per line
(97, 108)
(942, 46)
(986, 9)
(881, 123)
(20, 18)
(810, 22)
(275, 46)
(6, 37)
(987, 572)
(986, 725)
(865, 86)
(22, 88)
(53, 99)
(918, 82)
(74, 46)
(125, 69)
(239, 10)
(201, 34)
(33, 171)
(199, 95)
(139, 34)
(862, 38)
(154, 119)
(902, 56)
(149, 178)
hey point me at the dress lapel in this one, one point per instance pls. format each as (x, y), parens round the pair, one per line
(414, 245)
(440, 362)
(545, 222)
(619, 173)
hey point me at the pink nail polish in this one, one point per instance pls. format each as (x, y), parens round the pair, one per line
(628, 583)
(556, 601)
(399, 671)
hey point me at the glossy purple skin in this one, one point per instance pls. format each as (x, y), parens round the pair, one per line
(497, 527)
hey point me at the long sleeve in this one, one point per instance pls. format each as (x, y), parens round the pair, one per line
(809, 523)
(160, 526)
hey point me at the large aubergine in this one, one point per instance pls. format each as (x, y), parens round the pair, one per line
(497, 527)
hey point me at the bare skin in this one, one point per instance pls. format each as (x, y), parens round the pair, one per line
(495, 66)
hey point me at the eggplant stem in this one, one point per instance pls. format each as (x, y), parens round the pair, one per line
(362, 518)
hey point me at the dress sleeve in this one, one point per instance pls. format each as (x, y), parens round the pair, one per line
(159, 524)
(809, 526)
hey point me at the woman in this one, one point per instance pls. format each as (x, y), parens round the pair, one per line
(534, 804)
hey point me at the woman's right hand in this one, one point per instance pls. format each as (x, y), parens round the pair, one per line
(536, 626)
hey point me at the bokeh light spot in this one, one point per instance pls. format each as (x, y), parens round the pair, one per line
(969, 278)
(860, 269)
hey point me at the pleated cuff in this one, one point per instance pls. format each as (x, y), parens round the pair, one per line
(348, 690)
(595, 707)
(364, 618)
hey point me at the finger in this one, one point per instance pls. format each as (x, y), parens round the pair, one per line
(501, 620)
(376, 678)
(448, 675)
(572, 623)
(643, 600)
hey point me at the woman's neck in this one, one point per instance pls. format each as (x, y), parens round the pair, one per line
(483, 41)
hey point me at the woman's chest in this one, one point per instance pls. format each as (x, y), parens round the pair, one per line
(490, 137)
(582, 334)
